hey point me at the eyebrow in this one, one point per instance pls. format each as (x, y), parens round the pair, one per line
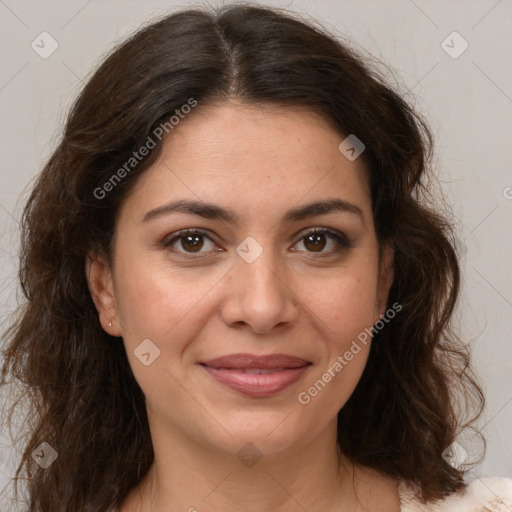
(216, 212)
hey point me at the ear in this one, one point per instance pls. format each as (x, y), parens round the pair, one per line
(101, 287)
(385, 278)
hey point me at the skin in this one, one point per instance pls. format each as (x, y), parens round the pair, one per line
(292, 299)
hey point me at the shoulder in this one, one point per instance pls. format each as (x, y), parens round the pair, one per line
(482, 495)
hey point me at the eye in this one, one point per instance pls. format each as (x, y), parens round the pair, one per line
(316, 240)
(190, 240)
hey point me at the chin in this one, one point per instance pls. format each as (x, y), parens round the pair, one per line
(268, 433)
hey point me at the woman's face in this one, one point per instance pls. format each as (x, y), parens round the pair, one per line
(251, 280)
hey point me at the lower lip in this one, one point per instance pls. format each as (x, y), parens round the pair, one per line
(257, 385)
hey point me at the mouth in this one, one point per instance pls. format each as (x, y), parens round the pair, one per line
(256, 376)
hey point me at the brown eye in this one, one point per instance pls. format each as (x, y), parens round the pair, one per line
(192, 242)
(188, 242)
(317, 240)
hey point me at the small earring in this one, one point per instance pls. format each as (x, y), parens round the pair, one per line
(110, 324)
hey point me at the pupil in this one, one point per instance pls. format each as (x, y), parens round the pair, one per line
(317, 247)
(194, 241)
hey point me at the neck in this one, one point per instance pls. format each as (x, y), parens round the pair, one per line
(188, 476)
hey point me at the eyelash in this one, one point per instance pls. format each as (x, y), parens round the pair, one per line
(340, 238)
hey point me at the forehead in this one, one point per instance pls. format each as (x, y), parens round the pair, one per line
(234, 132)
(251, 158)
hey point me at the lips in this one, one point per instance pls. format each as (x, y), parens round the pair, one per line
(249, 361)
(256, 376)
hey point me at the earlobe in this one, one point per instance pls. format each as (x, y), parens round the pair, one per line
(99, 281)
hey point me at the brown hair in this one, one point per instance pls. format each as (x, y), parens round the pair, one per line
(75, 379)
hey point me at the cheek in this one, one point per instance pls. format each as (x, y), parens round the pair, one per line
(164, 307)
(163, 304)
(345, 302)
(345, 307)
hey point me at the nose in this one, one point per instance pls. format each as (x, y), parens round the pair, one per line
(259, 296)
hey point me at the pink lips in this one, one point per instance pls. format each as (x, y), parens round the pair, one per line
(256, 376)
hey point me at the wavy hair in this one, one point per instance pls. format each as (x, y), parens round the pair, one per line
(73, 380)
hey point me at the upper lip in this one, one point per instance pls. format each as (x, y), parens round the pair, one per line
(254, 361)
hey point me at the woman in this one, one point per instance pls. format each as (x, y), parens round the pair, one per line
(238, 297)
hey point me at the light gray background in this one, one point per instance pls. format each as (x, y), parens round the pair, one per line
(467, 100)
